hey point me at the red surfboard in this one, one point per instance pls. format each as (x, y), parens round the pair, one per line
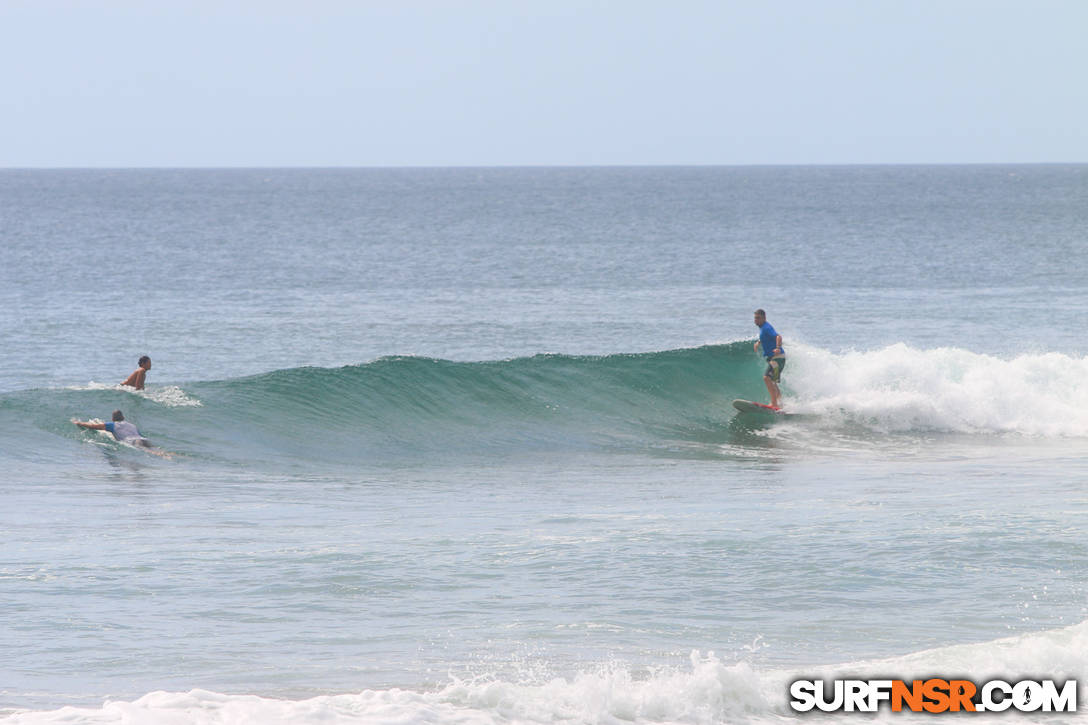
(748, 406)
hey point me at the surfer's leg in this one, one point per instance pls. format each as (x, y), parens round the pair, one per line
(770, 377)
(773, 391)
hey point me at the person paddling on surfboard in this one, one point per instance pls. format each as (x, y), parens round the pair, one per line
(122, 430)
(773, 353)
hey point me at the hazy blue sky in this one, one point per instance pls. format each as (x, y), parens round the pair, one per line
(414, 82)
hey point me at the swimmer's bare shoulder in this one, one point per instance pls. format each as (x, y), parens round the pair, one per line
(136, 379)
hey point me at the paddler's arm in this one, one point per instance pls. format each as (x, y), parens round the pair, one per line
(88, 424)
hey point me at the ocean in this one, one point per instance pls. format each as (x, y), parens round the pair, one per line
(457, 445)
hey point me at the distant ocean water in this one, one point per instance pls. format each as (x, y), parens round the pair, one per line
(456, 445)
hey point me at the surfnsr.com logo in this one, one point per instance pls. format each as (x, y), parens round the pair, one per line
(933, 695)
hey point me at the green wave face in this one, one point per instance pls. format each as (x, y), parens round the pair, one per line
(410, 408)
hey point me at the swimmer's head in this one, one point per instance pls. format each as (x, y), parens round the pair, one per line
(118, 415)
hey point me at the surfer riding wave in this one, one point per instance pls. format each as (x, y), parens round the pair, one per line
(771, 343)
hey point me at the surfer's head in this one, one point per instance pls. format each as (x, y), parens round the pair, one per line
(144, 362)
(761, 317)
(118, 415)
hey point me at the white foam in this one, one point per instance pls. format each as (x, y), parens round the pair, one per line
(170, 396)
(1056, 653)
(200, 707)
(709, 692)
(704, 691)
(944, 389)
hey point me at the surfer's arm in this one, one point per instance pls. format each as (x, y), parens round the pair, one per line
(777, 344)
(88, 424)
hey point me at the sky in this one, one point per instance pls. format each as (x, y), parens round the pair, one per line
(242, 83)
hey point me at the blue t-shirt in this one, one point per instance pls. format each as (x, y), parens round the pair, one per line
(767, 340)
(123, 430)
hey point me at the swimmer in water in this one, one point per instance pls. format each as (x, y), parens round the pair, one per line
(136, 380)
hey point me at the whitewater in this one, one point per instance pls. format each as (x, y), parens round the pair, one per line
(703, 691)
(457, 445)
